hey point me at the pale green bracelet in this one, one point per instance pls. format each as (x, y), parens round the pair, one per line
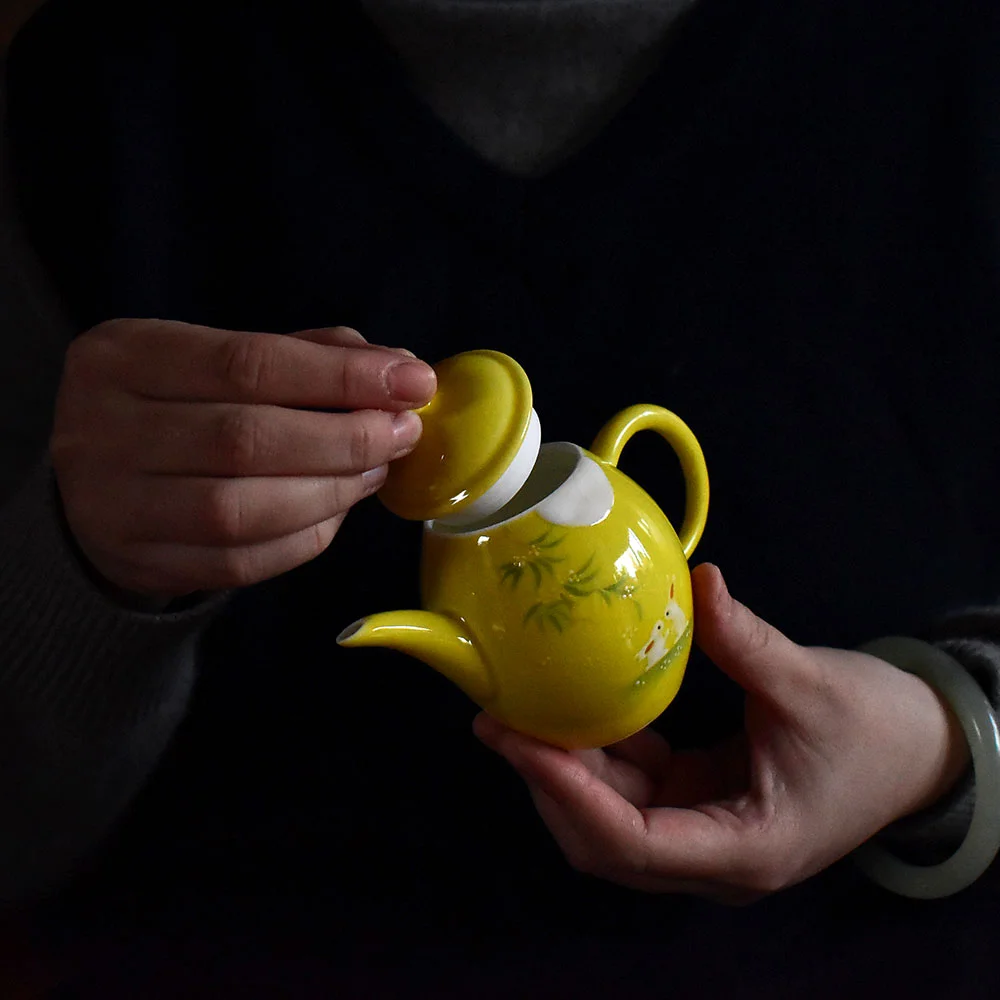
(979, 723)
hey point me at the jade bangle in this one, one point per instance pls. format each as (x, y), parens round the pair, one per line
(979, 723)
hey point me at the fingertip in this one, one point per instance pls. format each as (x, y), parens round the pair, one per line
(502, 741)
(746, 647)
(486, 729)
(532, 759)
(500, 738)
(708, 577)
(407, 427)
(372, 480)
(712, 600)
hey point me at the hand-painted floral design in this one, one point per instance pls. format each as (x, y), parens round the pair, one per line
(538, 560)
(541, 560)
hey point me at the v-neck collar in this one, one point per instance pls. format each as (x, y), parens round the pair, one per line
(362, 77)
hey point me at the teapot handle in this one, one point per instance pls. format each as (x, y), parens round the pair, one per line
(620, 428)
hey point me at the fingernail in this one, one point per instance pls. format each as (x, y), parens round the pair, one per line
(412, 382)
(374, 478)
(406, 428)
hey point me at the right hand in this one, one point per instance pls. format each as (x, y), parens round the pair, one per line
(192, 459)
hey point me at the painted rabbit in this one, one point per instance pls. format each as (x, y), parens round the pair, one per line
(665, 632)
(657, 647)
(674, 614)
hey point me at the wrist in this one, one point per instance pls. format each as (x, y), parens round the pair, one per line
(979, 724)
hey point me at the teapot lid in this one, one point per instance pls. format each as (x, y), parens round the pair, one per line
(479, 443)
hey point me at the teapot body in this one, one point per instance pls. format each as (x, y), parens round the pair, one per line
(555, 591)
(579, 606)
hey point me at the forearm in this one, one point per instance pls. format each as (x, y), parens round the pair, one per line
(90, 695)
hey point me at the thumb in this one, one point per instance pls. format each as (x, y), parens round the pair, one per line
(754, 654)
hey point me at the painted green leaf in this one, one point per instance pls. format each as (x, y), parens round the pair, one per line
(553, 543)
(539, 560)
(544, 541)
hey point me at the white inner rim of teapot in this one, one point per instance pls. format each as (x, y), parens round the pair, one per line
(563, 485)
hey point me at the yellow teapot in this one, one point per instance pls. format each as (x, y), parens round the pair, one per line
(557, 593)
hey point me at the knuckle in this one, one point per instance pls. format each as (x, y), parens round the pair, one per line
(363, 444)
(759, 636)
(245, 362)
(345, 491)
(239, 440)
(635, 847)
(356, 377)
(322, 536)
(223, 512)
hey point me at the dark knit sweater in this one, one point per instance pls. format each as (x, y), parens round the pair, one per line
(789, 235)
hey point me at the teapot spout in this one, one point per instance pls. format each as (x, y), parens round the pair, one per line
(437, 640)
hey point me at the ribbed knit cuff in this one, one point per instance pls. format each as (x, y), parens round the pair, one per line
(929, 837)
(69, 653)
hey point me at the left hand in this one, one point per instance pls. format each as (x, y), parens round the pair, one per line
(836, 746)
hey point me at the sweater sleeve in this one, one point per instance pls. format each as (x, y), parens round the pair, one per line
(90, 694)
(972, 637)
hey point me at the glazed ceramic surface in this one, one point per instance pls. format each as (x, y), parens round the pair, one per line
(479, 442)
(567, 613)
